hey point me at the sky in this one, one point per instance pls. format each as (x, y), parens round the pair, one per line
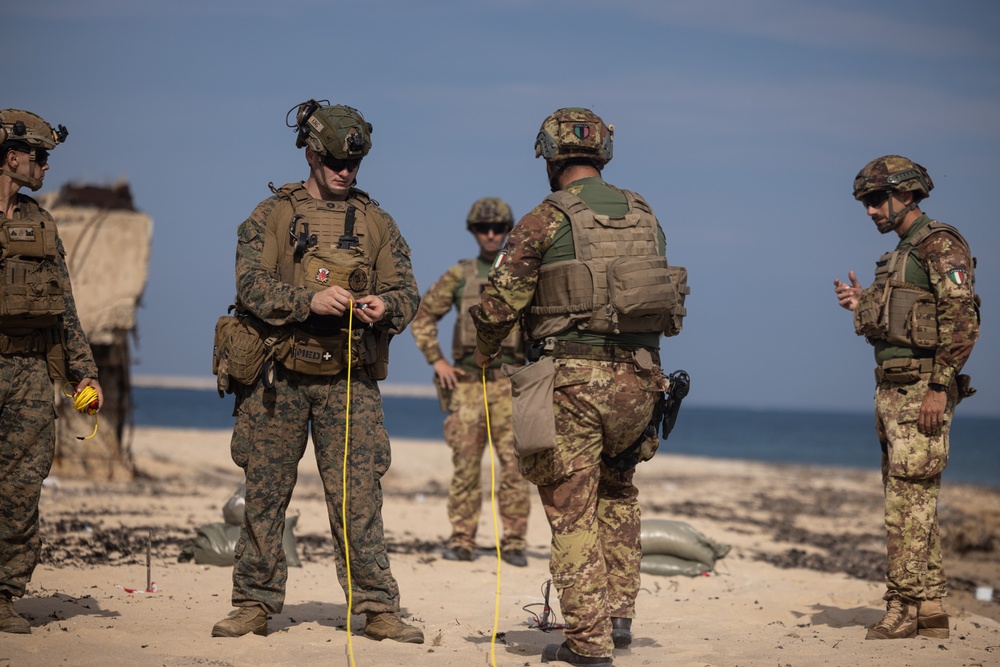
(742, 123)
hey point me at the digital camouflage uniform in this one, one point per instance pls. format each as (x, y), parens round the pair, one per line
(465, 426)
(601, 406)
(272, 424)
(27, 424)
(912, 462)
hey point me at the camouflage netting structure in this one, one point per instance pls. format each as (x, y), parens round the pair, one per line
(107, 245)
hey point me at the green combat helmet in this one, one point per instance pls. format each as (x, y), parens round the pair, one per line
(574, 132)
(895, 173)
(339, 131)
(27, 132)
(490, 210)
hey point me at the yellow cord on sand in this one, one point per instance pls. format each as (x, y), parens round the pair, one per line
(496, 530)
(85, 401)
(343, 505)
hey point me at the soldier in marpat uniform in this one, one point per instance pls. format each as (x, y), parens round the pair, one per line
(922, 316)
(41, 340)
(308, 258)
(586, 271)
(460, 387)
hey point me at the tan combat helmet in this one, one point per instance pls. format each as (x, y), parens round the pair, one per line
(338, 131)
(574, 132)
(490, 210)
(892, 173)
(28, 132)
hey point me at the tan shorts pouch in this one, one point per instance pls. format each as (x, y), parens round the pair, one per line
(533, 418)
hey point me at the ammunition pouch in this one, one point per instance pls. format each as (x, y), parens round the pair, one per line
(903, 371)
(375, 345)
(898, 313)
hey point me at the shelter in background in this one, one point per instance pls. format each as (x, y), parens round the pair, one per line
(107, 250)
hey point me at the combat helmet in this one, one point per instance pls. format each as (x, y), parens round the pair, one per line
(338, 130)
(490, 210)
(895, 173)
(29, 132)
(574, 132)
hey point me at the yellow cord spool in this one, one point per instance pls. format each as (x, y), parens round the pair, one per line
(85, 401)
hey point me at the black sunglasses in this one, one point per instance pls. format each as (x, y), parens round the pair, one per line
(341, 165)
(498, 228)
(875, 199)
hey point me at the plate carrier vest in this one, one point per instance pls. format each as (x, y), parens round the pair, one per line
(463, 340)
(896, 311)
(618, 282)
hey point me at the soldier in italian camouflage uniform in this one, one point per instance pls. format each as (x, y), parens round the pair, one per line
(305, 257)
(460, 387)
(922, 316)
(41, 340)
(555, 272)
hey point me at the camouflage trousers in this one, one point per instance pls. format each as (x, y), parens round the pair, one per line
(27, 445)
(270, 437)
(465, 432)
(912, 464)
(593, 511)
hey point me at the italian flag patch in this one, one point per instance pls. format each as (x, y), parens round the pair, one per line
(957, 276)
(501, 258)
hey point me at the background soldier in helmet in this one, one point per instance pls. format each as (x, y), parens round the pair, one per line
(40, 341)
(599, 348)
(922, 316)
(304, 257)
(460, 387)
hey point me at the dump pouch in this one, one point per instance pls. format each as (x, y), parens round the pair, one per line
(238, 350)
(532, 416)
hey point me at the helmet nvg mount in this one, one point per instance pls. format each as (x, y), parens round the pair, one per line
(28, 131)
(574, 132)
(338, 130)
(895, 173)
(490, 210)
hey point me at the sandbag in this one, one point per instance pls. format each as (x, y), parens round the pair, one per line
(676, 538)
(215, 544)
(232, 511)
(667, 566)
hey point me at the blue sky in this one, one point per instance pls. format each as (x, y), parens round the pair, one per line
(742, 123)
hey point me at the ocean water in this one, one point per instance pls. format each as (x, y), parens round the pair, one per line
(774, 436)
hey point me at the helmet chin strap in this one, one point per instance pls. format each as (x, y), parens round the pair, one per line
(34, 183)
(895, 217)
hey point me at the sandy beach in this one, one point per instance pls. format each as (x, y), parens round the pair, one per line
(800, 584)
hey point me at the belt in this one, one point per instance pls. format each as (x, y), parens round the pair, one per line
(598, 352)
(903, 371)
(34, 342)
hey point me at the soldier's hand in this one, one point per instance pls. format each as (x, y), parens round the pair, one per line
(931, 418)
(369, 309)
(848, 295)
(482, 360)
(331, 301)
(447, 374)
(92, 382)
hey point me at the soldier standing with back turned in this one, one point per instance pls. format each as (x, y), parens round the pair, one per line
(304, 257)
(587, 270)
(459, 383)
(41, 340)
(922, 316)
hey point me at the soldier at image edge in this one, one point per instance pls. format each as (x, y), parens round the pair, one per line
(921, 314)
(41, 341)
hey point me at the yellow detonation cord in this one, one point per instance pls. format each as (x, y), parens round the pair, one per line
(343, 505)
(86, 401)
(496, 530)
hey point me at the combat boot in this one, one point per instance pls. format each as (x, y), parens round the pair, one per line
(621, 632)
(244, 621)
(387, 625)
(563, 653)
(932, 619)
(899, 622)
(10, 620)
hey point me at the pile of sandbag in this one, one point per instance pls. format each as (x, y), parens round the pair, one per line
(215, 543)
(673, 547)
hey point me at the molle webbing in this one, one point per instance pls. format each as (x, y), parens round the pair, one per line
(463, 340)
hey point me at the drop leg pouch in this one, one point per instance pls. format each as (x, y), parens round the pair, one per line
(533, 418)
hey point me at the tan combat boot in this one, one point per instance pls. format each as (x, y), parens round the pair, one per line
(387, 625)
(244, 621)
(899, 622)
(10, 620)
(932, 619)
